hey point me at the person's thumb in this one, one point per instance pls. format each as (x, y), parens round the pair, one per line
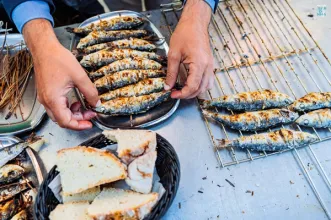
(87, 88)
(173, 68)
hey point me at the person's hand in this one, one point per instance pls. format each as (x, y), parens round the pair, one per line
(57, 72)
(190, 45)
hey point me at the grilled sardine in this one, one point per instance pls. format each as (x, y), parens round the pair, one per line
(132, 43)
(126, 64)
(22, 215)
(252, 121)
(312, 101)
(97, 37)
(143, 87)
(10, 172)
(9, 209)
(107, 56)
(273, 141)
(316, 119)
(126, 77)
(133, 105)
(10, 190)
(117, 23)
(250, 101)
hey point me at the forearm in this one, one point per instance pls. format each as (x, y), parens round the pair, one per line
(197, 10)
(39, 36)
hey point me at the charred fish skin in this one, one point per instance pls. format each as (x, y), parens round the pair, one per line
(22, 215)
(9, 209)
(273, 141)
(316, 119)
(97, 37)
(10, 172)
(131, 43)
(144, 87)
(133, 105)
(126, 77)
(250, 101)
(117, 23)
(105, 57)
(126, 64)
(312, 101)
(10, 190)
(254, 121)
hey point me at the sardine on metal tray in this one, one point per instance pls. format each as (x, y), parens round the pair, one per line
(8, 191)
(126, 77)
(97, 37)
(126, 64)
(273, 141)
(316, 119)
(133, 105)
(312, 101)
(108, 56)
(9, 208)
(131, 43)
(252, 121)
(250, 101)
(10, 172)
(144, 87)
(117, 23)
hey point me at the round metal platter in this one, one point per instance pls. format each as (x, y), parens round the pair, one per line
(152, 116)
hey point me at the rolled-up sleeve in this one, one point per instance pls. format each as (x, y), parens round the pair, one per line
(212, 3)
(30, 10)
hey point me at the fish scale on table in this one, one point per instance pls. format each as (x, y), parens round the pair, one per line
(144, 87)
(272, 141)
(133, 105)
(97, 37)
(108, 56)
(117, 23)
(250, 101)
(131, 43)
(252, 121)
(126, 77)
(126, 64)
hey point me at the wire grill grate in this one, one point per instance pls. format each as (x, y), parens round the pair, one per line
(264, 45)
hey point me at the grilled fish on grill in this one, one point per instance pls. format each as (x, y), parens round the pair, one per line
(10, 172)
(9, 209)
(117, 23)
(273, 141)
(316, 119)
(97, 37)
(252, 121)
(132, 43)
(312, 101)
(144, 87)
(126, 64)
(133, 105)
(250, 101)
(126, 77)
(107, 56)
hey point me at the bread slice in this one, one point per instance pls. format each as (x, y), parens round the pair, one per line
(140, 173)
(85, 196)
(82, 168)
(72, 211)
(132, 143)
(121, 204)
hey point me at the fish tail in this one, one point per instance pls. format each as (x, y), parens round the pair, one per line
(204, 103)
(222, 143)
(78, 54)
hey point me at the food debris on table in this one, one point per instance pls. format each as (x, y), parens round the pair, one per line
(291, 182)
(230, 183)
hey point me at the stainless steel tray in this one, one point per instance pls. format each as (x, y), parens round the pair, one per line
(153, 116)
(32, 110)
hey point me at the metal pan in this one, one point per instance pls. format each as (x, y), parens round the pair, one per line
(151, 117)
(32, 110)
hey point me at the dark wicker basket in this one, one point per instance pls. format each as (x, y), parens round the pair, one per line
(167, 166)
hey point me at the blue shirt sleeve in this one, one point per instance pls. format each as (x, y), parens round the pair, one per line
(212, 3)
(30, 10)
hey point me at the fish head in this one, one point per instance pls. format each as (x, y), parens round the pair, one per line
(289, 115)
(306, 120)
(10, 172)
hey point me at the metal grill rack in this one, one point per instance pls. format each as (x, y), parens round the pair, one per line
(260, 44)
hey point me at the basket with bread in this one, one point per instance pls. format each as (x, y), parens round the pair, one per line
(87, 181)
